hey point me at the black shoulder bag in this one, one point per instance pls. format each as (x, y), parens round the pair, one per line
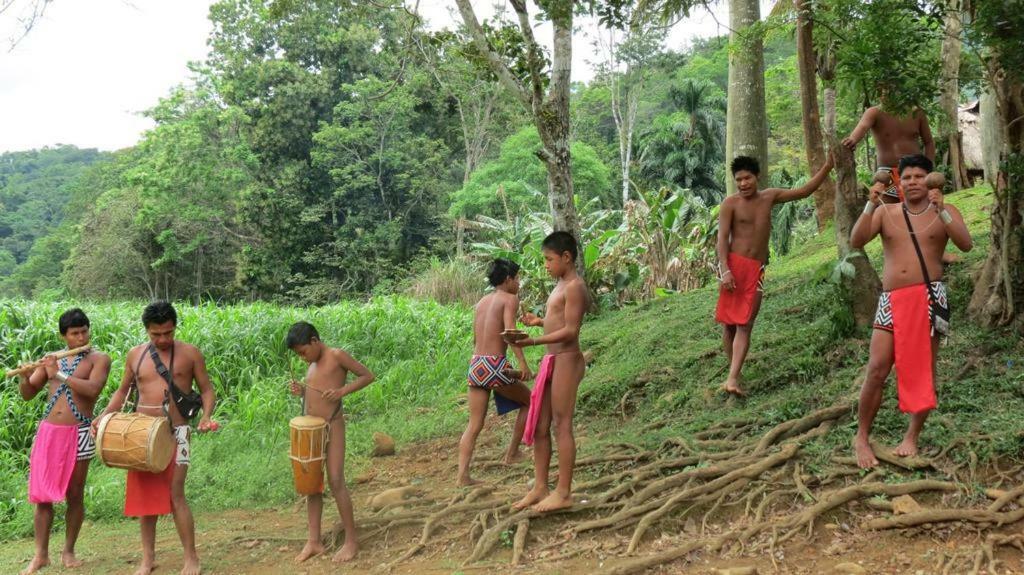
(188, 404)
(939, 315)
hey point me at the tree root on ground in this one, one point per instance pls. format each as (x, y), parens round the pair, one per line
(742, 464)
(789, 524)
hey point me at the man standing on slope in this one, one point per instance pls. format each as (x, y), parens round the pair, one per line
(744, 227)
(913, 309)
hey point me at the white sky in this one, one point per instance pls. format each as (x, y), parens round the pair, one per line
(88, 68)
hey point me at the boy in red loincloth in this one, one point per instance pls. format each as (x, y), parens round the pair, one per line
(744, 228)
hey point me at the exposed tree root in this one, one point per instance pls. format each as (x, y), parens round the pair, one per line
(797, 426)
(789, 523)
(982, 516)
(742, 464)
(722, 483)
(519, 544)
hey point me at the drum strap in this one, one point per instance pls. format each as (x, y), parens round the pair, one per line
(135, 392)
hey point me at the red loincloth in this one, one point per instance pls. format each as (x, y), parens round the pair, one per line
(148, 493)
(912, 343)
(736, 306)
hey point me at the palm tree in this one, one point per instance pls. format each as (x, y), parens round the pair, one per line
(686, 147)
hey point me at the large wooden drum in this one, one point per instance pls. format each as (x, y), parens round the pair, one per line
(135, 441)
(308, 452)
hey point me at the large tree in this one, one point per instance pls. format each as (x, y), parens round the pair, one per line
(814, 142)
(626, 67)
(544, 92)
(949, 96)
(746, 127)
(998, 297)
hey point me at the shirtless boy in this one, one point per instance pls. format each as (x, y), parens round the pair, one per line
(903, 333)
(495, 312)
(553, 399)
(150, 495)
(744, 228)
(322, 394)
(62, 449)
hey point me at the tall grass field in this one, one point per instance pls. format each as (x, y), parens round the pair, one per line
(417, 349)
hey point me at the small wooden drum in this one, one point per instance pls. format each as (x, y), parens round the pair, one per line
(135, 441)
(308, 452)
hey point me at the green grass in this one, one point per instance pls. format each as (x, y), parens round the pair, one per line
(664, 358)
(417, 349)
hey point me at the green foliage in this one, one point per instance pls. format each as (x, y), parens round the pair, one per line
(34, 188)
(521, 176)
(886, 50)
(417, 349)
(687, 147)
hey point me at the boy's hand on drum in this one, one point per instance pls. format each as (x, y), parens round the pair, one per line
(295, 388)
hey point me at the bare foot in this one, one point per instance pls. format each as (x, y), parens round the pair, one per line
(907, 448)
(468, 481)
(310, 550)
(36, 564)
(145, 568)
(514, 458)
(554, 501)
(865, 455)
(531, 498)
(347, 552)
(69, 559)
(191, 567)
(732, 387)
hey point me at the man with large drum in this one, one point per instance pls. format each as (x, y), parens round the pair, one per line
(59, 462)
(163, 371)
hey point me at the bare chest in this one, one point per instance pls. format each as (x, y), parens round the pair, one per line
(752, 213)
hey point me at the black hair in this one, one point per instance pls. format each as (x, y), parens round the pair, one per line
(501, 269)
(74, 317)
(916, 161)
(301, 333)
(159, 312)
(560, 242)
(745, 163)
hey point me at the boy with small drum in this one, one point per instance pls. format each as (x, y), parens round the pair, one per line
(322, 395)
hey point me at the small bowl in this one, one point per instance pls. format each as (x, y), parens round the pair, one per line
(514, 335)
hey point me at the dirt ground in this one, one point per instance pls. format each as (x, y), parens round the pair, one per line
(265, 542)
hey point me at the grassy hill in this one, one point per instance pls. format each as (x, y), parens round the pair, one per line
(663, 360)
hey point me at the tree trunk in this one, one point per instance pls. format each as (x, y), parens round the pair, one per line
(552, 120)
(824, 198)
(746, 129)
(861, 289)
(991, 134)
(551, 112)
(999, 289)
(950, 92)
